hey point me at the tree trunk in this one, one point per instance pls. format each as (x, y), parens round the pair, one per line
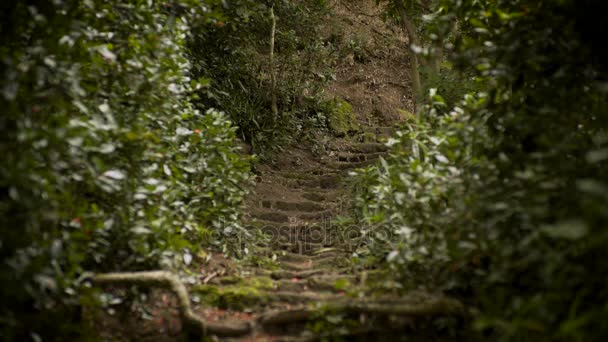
(413, 37)
(273, 77)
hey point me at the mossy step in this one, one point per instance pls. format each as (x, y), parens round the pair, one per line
(296, 285)
(304, 296)
(241, 294)
(245, 296)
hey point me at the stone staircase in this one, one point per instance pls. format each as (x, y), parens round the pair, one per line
(311, 277)
(301, 284)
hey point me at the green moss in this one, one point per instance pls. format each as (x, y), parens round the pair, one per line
(342, 284)
(367, 137)
(262, 283)
(239, 295)
(341, 119)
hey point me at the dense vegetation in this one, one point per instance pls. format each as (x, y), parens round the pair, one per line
(107, 164)
(119, 144)
(501, 198)
(234, 54)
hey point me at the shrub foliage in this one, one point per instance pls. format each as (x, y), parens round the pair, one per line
(502, 199)
(107, 164)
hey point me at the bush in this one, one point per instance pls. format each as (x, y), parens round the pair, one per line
(107, 164)
(503, 201)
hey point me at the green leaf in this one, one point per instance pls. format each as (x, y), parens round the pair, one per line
(570, 230)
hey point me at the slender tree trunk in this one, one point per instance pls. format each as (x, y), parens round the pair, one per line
(437, 58)
(413, 37)
(273, 76)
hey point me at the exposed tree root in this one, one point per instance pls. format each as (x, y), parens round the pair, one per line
(193, 324)
(197, 327)
(433, 308)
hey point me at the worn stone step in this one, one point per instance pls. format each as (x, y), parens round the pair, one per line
(287, 236)
(327, 181)
(314, 196)
(367, 148)
(305, 248)
(312, 284)
(295, 266)
(293, 257)
(292, 216)
(385, 131)
(296, 175)
(357, 157)
(343, 166)
(293, 206)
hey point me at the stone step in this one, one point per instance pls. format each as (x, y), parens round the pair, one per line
(294, 217)
(350, 166)
(286, 236)
(305, 248)
(319, 196)
(367, 148)
(329, 181)
(357, 157)
(379, 130)
(312, 284)
(306, 174)
(385, 131)
(305, 206)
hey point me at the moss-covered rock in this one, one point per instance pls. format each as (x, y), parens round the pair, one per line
(340, 117)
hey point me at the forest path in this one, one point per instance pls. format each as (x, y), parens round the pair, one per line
(304, 286)
(301, 285)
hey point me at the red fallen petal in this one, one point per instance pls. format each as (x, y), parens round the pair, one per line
(295, 280)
